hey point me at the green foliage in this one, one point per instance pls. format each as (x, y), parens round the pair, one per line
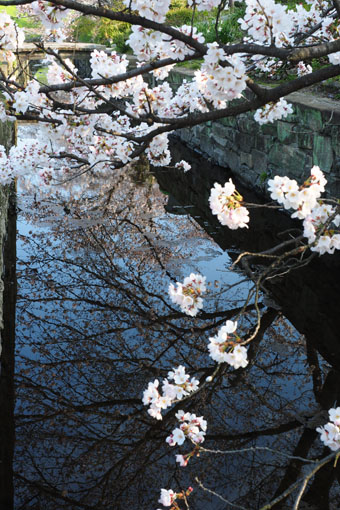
(41, 75)
(228, 28)
(318, 63)
(102, 31)
(83, 29)
(179, 16)
(11, 10)
(263, 177)
(21, 21)
(291, 4)
(192, 64)
(177, 4)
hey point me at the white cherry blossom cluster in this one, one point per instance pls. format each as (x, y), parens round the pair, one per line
(273, 111)
(158, 153)
(225, 348)
(191, 427)
(179, 49)
(330, 433)
(57, 74)
(12, 37)
(149, 44)
(266, 65)
(314, 223)
(221, 78)
(189, 97)
(146, 44)
(105, 66)
(183, 165)
(168, 496)
(155, 100)
(52, 17)
(334, 58)
(305, 200)
(152, 9)
(226, 202)
(28, 97)
(203, 5)
(303, 69)
(24, 158)
(270, 23)
(306, 18)
(267, 22)
(180, 387)
(188, 294)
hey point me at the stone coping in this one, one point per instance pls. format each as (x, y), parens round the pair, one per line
(324, 104)
(63, 47)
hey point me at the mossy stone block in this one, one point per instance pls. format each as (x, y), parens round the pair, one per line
(247, 124)
(246, 159)
(305, 140)
(291, 159)
(285, 132)
(264, 142)
(245, 141)
(322, 152)
(229, 121)
(269, 129)
(310, 118)
(260, 161)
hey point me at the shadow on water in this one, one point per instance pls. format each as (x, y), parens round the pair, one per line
(95, 325)
(7, 394)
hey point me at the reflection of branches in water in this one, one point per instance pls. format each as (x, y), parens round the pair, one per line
(302, 482)
(96, 325)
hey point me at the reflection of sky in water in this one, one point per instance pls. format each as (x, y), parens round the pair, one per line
(84, 428)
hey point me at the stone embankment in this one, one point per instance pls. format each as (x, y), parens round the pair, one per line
(291, 146)
(7, 138)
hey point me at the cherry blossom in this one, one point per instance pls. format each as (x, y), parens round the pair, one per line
(267, 22)
(309, 207)
(168, 496)
(273, 111)
(225, 348)
(188, 294)
(330, 433)
(171, 392)
(303, 69)
(301, 198)
(183, 165)
(52, 17)
(191, 426)
(153, 9)
(226, 202)
(12, 37)
(103, 124)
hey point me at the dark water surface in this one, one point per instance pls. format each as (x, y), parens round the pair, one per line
(94, 324)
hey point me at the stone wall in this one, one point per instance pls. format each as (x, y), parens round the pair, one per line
(7, 138)
(310, 136)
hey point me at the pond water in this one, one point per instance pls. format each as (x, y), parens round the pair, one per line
(95, 324)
